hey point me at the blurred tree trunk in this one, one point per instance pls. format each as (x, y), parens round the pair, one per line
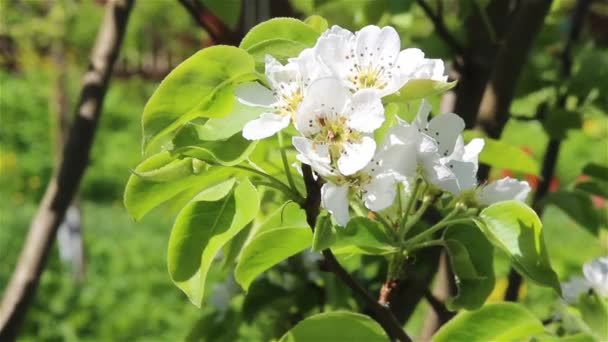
(64, 183)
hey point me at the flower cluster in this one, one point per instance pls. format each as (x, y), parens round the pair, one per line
(333, 93)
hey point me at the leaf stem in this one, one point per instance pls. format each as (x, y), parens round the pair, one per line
(410, 203)
(292, 183)
(277, 184)
(446, 221)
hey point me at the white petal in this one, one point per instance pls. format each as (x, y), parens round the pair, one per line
(356, 156)
(264, 126)
(374, 42)
(573, 288)
(254, 94)
(315, 155)
(405, 68)
(431, 69)
(368, 113)
(332, 48)
(309, 66)
(503, 190)
(334, 198)
(466, 175)
(379, 193)
(438, 174)
(445, 129)
(278, 73)
(325, 97)
(473, 149)
(422, 116)
(596, 273)
(399, 160)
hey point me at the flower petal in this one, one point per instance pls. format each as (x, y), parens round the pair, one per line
(373, 43)
(596, 273)
(254, 94)
(356, 156)
(503, 190)
(333, 49)
(264, 126)
(438, 174)
(325, 97)
(315, 155)
(379, 193)
(422, 117)
(334, 198)
(368, 113)
(430, 69)
(445, 129)
(466, 175)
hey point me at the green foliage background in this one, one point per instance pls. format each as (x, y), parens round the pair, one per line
(127, 294)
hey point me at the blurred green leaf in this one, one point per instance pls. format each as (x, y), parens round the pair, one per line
(471, 256)
(558, 122)
(418, 89)
(578, 206)
(499, 154)
(515, 229)
(317, 22)
(596, 171)
(596, 188)
(226, 126)
(362, 235)
(595, 314)
(268, 249)
(324, 235)
(493, 322)
(162, 177)
(201, 86)
(229, 11)
(228, 152)
(201, 229)
(336, 326)
(580, 337)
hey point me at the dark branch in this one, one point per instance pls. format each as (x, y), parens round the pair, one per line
(380, 313)
(442, 30)
(438, 306)
(553, 146)
(64, 184)
(217, 30)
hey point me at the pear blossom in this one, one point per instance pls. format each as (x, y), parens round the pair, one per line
(339, 124)
(503, 189)
(288, 85)
(371, 59)
(596, 278)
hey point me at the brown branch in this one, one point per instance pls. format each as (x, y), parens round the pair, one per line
(215, 27)
(553, 146)
(380, 313)
(62, 187)
(441, 28)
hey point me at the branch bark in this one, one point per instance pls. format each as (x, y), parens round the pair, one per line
(64, 184)
(215, 27)
(380, 313)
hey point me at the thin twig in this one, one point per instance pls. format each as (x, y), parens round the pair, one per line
(441, 28)
(217, 30)
(380, 313)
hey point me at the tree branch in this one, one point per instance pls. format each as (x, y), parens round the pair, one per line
(380, 313)
(553, 146)
(63, 185)
(442, 30)
(217, 30)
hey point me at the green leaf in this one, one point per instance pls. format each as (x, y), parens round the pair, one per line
(596, 171)
(228, 152)
(336, 326)
(226, 126)
(499, 154)
(325, 234)
(201, 229)
(229, 11)
(201, 86)
(418, 89)
(597, 188)
(578, 206)
(559, 122)
(595, 314)
(317, 22)
(161, 177)
(362, 235)
(280, 28)
(514, 228)
(288, 215)
(279, 37)
(493, 322)
(268, 249)
(580, 337)
(471, 256)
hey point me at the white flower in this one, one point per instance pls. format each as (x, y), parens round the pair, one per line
(339, 124)
(371, 59)
(596, 278)
(375, 184)
(288, 85)
(596, 273)
(503, 189)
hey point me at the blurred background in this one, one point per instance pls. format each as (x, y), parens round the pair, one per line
(107, 278)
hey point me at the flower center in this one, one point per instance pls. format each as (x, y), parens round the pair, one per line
(370, 76)
(289, 102)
